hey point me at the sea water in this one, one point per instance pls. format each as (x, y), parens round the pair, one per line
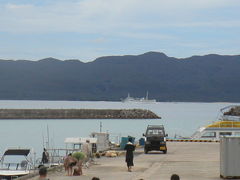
(179, 118)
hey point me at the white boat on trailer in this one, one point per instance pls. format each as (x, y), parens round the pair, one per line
(12, 170)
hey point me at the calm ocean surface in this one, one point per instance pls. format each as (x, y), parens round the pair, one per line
(178, 117)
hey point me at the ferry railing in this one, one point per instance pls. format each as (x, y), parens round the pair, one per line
(230, 118)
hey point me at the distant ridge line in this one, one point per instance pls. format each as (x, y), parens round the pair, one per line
(209, 78)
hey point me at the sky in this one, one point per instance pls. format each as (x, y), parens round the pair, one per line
(87, 29)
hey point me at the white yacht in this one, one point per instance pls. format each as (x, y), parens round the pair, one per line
(142, 100)
(228, 125)
(14, 163)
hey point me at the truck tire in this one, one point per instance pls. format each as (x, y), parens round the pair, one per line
(165, 152)
(145, 151)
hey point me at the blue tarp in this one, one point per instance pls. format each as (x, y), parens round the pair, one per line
(125, 140)
(141, 141)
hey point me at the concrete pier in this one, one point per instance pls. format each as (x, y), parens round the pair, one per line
(190, 160)
(77, 114)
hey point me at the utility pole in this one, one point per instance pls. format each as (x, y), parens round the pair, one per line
(100, 126)
(47, 138)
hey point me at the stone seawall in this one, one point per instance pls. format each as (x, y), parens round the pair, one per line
(77, 114)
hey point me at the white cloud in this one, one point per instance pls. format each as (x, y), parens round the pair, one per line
(155, 36)
(104, 26)
(186, 24)
(16, 6)
(99, 40)
(105, 16)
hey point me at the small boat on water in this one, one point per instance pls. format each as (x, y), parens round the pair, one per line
(141, 100)
(15, 163)
(228, 125)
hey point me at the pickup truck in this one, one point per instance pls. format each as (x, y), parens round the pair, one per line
(155, 139)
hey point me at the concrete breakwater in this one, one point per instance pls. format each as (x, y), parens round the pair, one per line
(77, 114)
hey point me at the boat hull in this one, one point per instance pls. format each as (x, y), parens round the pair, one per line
(11, 174)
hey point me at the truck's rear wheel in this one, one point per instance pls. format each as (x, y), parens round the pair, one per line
(165, 152)
(145, 151)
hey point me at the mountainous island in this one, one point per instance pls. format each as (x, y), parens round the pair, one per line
(209, 78)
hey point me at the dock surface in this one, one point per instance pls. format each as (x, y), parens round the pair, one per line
(190, 160)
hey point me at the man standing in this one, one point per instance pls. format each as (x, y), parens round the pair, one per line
(87, 150)
(69, 163)
(45, 156)
(129, 154)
